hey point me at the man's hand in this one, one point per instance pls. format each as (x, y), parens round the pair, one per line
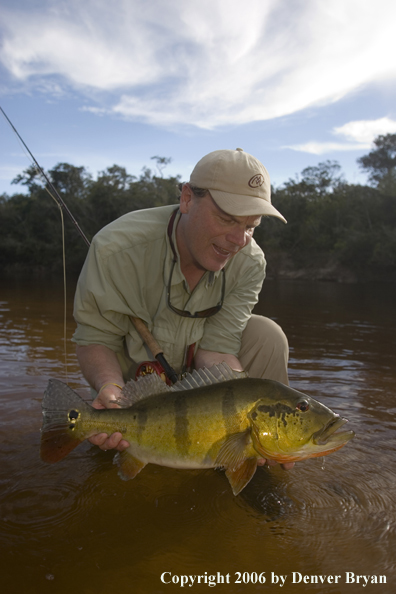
(100, 367)
(104, 441)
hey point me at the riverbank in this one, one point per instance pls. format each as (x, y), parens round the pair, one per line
(279, 267)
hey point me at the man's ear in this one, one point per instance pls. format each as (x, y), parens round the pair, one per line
(186, 199)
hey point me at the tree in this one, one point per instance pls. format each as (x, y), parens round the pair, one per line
(316, 181)
(324, 177)
(31, 178)
(380, 164)
(162, 162)
(67, 179)
(116, 178)
(70, 180)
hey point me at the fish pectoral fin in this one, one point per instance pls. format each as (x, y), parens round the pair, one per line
(238, 457)
(242, 475)
(128, 465)
(234, 451)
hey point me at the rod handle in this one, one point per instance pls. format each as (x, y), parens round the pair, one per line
(146, 336)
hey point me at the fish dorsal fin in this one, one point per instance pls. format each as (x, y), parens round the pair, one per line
(207, 377)
(151, 384)
(142, 388)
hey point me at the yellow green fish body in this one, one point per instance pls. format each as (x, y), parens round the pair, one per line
(229, 424)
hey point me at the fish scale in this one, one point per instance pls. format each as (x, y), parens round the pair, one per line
(228, 421)
(178, 426)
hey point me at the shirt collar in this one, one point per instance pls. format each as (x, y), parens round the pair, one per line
(178, 277)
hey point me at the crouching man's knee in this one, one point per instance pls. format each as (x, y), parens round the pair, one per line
(265, 350)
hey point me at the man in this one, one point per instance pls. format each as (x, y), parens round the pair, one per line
(192, 273)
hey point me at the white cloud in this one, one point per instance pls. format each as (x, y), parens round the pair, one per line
(364, 131)
(360, 132)
(9, 171)
(321, 148)
(201, 62)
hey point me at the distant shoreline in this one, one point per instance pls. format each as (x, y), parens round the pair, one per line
(278, 269)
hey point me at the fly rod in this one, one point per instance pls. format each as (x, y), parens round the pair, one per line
(58, 197)
(140, 326)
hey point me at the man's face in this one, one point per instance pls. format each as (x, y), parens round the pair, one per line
(208, 236)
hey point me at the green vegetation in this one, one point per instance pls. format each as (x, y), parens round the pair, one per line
(30, 224)
(335, 230)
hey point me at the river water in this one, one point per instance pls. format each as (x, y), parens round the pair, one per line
(76, 527)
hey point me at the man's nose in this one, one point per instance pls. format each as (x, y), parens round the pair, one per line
(238, 237)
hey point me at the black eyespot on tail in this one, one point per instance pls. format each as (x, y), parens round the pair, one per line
(303, 406)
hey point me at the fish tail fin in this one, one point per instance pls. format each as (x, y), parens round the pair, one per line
(62, 412)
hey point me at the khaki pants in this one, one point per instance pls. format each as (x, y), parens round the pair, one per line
(265, 350)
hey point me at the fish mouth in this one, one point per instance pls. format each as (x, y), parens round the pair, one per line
(327, 435)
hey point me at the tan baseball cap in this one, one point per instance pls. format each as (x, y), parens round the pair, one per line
(239, 184)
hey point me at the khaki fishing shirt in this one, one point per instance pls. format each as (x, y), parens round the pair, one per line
(126, 273)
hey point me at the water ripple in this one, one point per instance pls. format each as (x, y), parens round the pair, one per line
(40, 507)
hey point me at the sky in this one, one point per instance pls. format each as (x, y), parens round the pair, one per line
(97, 83)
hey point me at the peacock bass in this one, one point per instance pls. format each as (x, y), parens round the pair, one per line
(215, 418)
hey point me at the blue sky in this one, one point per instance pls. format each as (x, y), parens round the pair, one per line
(293, 82)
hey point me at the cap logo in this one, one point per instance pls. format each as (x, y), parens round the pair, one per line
(256, 181)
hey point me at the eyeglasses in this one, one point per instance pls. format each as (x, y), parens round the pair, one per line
(205, 313)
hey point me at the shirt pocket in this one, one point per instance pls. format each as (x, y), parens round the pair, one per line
(174, 343)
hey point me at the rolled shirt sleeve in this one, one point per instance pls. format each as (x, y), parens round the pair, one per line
(122, 267)
(100, 310)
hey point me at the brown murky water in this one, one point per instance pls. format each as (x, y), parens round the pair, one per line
(76, 527)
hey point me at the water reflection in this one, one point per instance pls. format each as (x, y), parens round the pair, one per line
(76, 524)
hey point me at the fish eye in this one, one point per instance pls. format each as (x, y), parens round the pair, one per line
(303, 406)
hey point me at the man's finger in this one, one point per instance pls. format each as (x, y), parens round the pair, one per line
(98, 439)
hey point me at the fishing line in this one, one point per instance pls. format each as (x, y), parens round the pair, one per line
(58, 198)
(62, 206)
(139, 325)
(64, 286)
